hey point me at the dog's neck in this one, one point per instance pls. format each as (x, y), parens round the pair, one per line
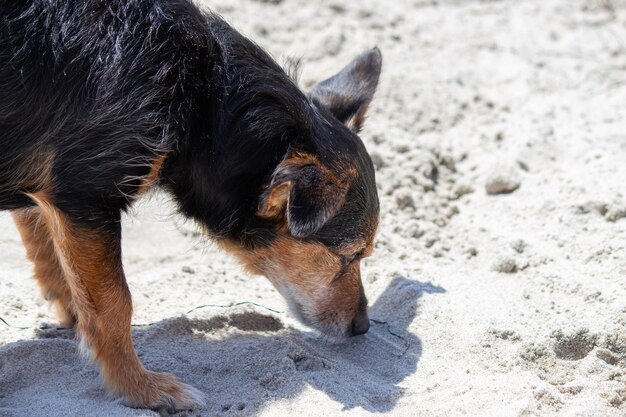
(238, 133)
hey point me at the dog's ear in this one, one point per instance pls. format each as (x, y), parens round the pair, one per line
(348, 93)
(302, 193)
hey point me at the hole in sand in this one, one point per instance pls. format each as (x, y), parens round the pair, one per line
(247, 321)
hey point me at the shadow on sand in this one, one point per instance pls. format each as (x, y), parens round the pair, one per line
(241, 369)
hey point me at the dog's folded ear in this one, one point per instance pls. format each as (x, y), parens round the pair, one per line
(348, 93)
(303, 193)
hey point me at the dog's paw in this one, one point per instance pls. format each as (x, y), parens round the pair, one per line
(162, 390)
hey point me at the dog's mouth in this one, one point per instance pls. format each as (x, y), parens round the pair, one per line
(327, 330)
(306, 313)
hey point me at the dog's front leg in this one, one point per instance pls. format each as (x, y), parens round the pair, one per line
(90, 257)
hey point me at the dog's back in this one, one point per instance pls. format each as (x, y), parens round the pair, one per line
(92, 91)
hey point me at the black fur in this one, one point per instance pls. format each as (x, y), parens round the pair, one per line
(105, 86)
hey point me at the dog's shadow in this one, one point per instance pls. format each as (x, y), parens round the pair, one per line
(243, 360)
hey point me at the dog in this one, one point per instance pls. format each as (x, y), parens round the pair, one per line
(102, 100)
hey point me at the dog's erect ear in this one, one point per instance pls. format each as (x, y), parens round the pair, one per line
(348, 93)
(303, 193)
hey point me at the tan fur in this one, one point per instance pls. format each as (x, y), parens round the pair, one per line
(153, 175)
(310, 275)
(274, 204)
(92, 268)
(313, 258)
(303, 158)
(47, 269)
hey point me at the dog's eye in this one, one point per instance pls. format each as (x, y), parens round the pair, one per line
(347, 260)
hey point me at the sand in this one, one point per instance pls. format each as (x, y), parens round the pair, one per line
(498, 284)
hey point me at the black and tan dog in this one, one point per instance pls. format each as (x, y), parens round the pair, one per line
(100, 100)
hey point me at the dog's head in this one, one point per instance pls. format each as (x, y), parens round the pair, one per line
(322, 202)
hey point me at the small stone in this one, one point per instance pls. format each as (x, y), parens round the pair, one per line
(502, 180)
(505, 265)
(614, 213)
(461, 190)
(188, 270)
(523, 165)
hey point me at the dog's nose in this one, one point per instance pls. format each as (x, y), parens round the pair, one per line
(360, 324)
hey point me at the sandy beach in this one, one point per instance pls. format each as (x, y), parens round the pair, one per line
(498, 283)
